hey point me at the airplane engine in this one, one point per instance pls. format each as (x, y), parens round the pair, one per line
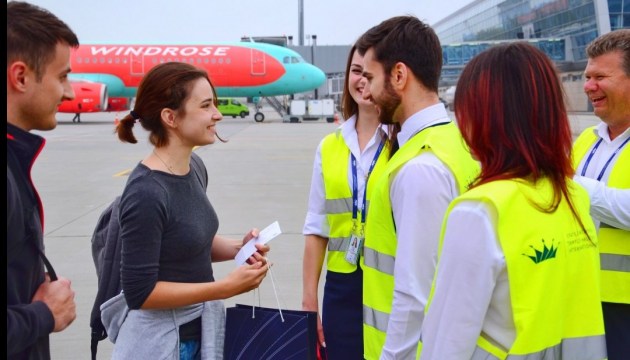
(118, 104)
(89, 97)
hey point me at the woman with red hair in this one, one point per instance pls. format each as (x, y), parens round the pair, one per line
(518, 261)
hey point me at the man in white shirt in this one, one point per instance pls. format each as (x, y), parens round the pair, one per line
(429, 168)
(602, 160)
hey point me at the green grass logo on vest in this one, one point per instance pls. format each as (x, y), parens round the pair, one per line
(546, 253)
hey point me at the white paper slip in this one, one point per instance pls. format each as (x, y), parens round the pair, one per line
(264, 236)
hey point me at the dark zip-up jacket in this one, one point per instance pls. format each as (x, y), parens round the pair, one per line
(28, 324)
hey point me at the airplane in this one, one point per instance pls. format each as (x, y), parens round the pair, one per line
(106, 77)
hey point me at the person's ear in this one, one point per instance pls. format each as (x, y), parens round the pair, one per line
(399, 76)
(168, 118)
(17, 76)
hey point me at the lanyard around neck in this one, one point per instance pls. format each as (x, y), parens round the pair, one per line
(355, 182)
(590, 156)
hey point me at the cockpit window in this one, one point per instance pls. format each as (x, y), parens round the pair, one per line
(296, 60)
(286, 60)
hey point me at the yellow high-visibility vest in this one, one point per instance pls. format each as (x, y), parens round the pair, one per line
(335, 163)
(614, 242)
(552, 272)
(379, 256)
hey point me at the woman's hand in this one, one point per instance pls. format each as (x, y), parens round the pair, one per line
(247, 277)
(261, 250)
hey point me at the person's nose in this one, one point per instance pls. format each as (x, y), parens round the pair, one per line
(216, 114)
(68, 91)
(366, 94)
(590, 85)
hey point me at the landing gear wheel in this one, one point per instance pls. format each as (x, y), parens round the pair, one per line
(259, 117)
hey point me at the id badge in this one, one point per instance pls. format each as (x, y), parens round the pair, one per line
(354, 249)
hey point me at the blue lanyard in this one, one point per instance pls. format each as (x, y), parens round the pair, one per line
(355, 186)
(590, 156)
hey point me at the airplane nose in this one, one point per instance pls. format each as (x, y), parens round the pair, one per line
(318, 77)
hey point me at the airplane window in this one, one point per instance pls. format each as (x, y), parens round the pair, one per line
(109, 60)
(87, 60)
(213, 60)
(199, 61)
(94, 60)
(191, 60)
(79, 60)
(228, 61)
(124, 60)
(286, 60)
(220, 60)
(205, 60)
(117, 61)
(176, 60)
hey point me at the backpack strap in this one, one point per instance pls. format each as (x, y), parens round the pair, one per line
(106, 253)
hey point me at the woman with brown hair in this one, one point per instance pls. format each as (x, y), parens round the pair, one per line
(168, 227)
(345, 160)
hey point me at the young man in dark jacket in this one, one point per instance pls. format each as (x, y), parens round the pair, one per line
(38, 63)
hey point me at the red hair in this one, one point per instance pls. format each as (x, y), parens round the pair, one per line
(510, 108)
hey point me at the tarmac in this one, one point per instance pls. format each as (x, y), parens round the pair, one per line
(261, 175)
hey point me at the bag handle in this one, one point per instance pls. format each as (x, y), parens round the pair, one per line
(275, 293)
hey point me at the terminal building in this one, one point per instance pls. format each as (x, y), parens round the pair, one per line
(560, 28)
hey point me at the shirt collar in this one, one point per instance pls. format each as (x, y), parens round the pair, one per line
(424, 118)
(601, 130)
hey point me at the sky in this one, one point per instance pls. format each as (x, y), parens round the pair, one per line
(196, 22)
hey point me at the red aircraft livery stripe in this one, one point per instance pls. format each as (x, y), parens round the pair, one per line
(131, 62)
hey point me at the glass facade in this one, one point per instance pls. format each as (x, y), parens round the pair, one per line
(561, 28)
(619, 13)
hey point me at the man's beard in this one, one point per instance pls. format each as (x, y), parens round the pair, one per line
(387, 104)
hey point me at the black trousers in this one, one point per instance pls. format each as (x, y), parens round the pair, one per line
(617, 325)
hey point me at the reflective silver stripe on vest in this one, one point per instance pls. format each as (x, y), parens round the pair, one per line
(584, 348)
(379, 261)
(338, 244)
(614, 262)
(374, 318)
(338, 206)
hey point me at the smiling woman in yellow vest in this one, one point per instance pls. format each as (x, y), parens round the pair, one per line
(517, 272)
(346, 161)
(601, 157)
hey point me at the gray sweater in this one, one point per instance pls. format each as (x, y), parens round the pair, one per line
(152, 334)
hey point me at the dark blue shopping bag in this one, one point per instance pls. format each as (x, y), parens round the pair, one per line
(260, 333)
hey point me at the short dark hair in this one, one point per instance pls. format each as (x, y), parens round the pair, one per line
(167, 85)
(408, 40)
(33, 34)
(618, 40)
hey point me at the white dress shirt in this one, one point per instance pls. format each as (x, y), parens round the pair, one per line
(316, 222)
(608, 205)
(471, 293)
(420, 193)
